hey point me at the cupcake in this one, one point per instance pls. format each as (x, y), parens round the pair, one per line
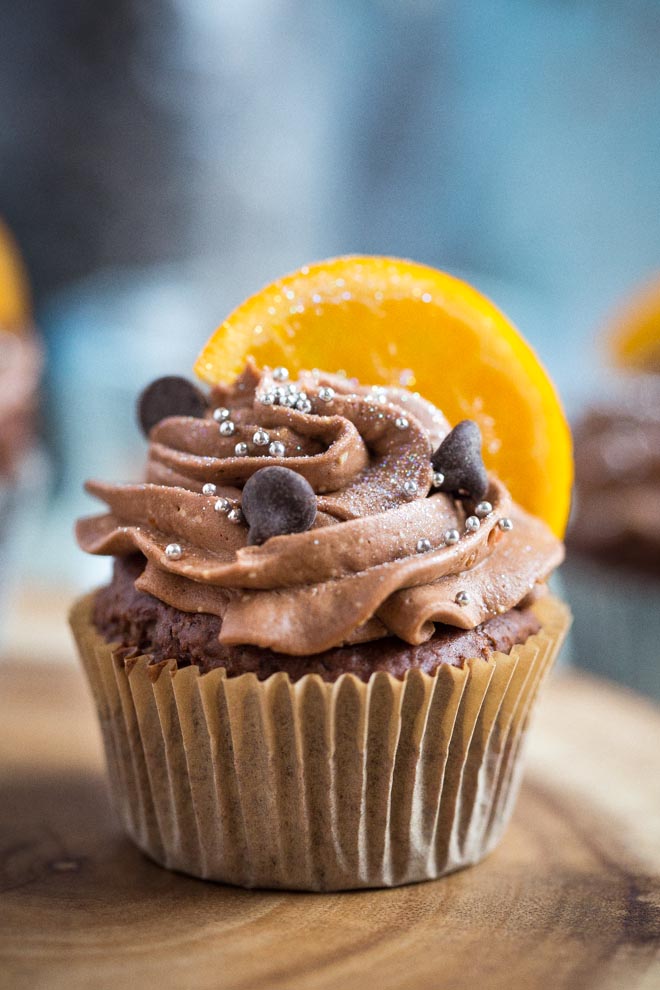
(20, 368)
(328, 620)
(20, 361)
(613, 568)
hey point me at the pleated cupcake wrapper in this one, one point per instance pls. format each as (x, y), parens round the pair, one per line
(614, 608)
(312, 785)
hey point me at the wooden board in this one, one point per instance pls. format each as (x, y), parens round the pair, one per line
(570, 899)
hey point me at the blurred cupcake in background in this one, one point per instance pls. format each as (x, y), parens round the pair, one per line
(613, 564)
(20, 359)
(20, 368)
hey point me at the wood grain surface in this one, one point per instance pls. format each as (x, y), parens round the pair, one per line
(571, 899)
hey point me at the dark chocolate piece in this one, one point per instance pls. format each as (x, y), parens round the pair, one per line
(276, 501)
(169, 396)
(459, 459)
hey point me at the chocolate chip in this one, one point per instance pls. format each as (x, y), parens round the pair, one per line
(169, 396)
(276, 501)
(458, 458)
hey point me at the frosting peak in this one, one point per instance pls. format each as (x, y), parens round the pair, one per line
(387, 554)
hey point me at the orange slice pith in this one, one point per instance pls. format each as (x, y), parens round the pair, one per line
(634, 338)
(14, 292)
(389, 322)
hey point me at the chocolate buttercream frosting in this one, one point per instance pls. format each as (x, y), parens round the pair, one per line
(380, 559)
(617, 476)
(20, 369)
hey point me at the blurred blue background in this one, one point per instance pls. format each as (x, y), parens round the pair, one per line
(160, 160)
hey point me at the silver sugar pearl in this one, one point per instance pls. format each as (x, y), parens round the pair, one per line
(235, 516)
(261, 438)
(227, 428)
(401, 423)
(280, 374)
(438, 479)
(220, 414)
(267, 399)
(173, 551)
(289, 400)
(452, 536)
(505, 524)
(304, 405)
(483, 509)
(410, 488)
(208, 489)
(241, 449)
(423, 546)
(277, 449)
(326, 394)
(462, 598)
(472, 524)
(222, 505)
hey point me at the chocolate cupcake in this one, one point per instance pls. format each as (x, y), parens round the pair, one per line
(613, 568)
(20, 371)
(316, 659)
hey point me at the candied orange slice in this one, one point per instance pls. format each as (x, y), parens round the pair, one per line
(392, 322)
(634, 338)
(14, 292)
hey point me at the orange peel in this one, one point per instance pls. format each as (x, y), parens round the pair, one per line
(15, 308)
(387, 321)
(634, 336)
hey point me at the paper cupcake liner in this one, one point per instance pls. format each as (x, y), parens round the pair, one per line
(314, 785)
(614, 608)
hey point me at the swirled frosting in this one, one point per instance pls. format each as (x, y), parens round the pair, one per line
(618, 475)
(376, 562)
(20, 368)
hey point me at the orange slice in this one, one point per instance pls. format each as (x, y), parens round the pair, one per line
(14, 292)
(393, 322)
(634, 338)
